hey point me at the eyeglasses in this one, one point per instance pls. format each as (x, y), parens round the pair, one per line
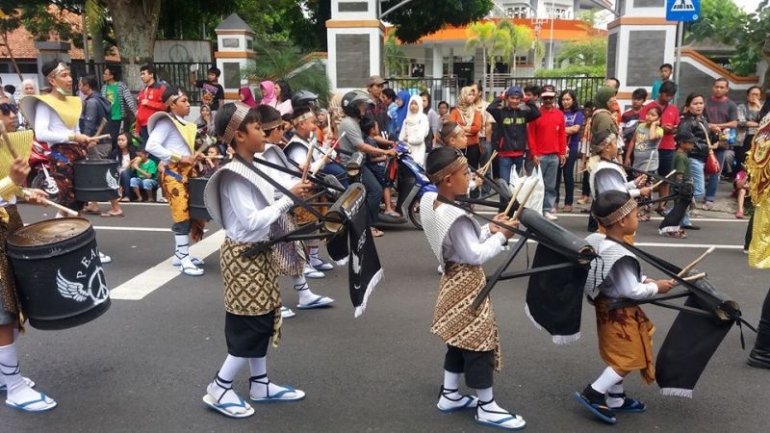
(7, 108)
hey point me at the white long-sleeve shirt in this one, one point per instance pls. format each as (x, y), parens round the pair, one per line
(246, 214)
(50, 128)
(165, 140)
(464, 244)
(271, 154)
(623, 279)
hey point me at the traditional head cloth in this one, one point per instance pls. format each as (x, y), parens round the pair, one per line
(602, 97)
(600, 139)
(618, 214)
(171, 99)
(268, 94)
(449, 130)
(247, 97)
(448, 169)
(61, 67)
(241, 110)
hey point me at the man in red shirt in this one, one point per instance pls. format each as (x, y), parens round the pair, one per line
(548, 146)
(150, 100)
(669, 120)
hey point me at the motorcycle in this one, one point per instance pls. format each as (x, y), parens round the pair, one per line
(411, 183)
(39, 176)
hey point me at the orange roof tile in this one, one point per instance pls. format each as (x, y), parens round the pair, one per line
(563, 30)
(23, 43)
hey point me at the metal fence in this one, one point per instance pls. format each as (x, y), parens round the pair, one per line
(177, 74)
(584, 87)
(440, 89)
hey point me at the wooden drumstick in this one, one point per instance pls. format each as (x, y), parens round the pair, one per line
(484, 169)
(695, 277)
(326, 154)
(687, 268)
(308, 159)
(213, 157)
(514, 195)
(523, 202)
(99, 137)
(53, 204)
(7, 140)
(658, 183)
(101, 128)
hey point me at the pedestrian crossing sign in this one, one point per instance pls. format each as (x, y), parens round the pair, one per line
(682, 10)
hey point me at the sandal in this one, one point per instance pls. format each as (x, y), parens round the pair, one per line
(567, 208)
(508, 421)
(48, 404)
(110, 214)
(224, 408)
(629, 404)
(288, 394)
(392, 214)
(377, 233)
(460, 403)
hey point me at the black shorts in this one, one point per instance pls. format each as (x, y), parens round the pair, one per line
(478, 367)
(248, 336)
(665, 161)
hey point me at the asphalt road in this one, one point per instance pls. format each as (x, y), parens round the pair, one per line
(144, 365)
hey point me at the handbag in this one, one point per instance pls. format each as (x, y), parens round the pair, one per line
(712, 163)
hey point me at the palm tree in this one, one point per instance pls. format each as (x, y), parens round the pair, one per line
(492, 41)
(300, 70)
(521, 40)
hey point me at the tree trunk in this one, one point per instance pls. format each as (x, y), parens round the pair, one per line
(136, 24)
(97, 46)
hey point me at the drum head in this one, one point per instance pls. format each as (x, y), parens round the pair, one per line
(48, 232)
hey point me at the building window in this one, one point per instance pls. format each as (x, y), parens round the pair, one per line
(517, 12)
(558, 12)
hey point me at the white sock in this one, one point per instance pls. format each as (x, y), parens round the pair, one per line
(488, 404)
(231, 367)
(258, 366)
(260, 386)
(615, 401)
(182, 250)
(608, 378)
(306, 296)
(18, 390)
(451, 382)
(314, 252)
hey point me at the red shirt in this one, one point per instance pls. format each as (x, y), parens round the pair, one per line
(669, 116)
(547, 135)
(153, 94)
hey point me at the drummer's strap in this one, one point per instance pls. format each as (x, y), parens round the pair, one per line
(280, 188)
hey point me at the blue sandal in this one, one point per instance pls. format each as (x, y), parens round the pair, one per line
(631, 405)
(319, 302)
(279, 397)
(222, 408)
(24, 407)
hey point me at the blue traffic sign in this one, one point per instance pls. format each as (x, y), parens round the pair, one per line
(682, 10)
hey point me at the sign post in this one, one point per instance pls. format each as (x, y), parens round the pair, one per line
(681, 11)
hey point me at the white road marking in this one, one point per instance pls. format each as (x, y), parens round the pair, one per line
(150, 280)
(585, 215)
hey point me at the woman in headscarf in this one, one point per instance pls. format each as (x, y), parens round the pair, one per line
(268, 94)
(469, 119)
(415, 129)
(401, 112)
(247, 97)
(602, 118)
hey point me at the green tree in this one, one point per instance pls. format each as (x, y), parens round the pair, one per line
(592, 52)
(521, 38)
(492, 40)
(395, 59)
(287, 62)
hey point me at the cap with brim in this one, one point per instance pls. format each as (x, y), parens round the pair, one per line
(514, 91)
(548, 91)
(375, 80)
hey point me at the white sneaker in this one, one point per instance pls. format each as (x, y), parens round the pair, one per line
(320, 265)
(104, 258)
(311, 272)
(549, 216)
(286, 312)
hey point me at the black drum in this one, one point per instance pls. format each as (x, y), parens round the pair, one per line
(59, 276)
(96, 180)
(197, 206)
